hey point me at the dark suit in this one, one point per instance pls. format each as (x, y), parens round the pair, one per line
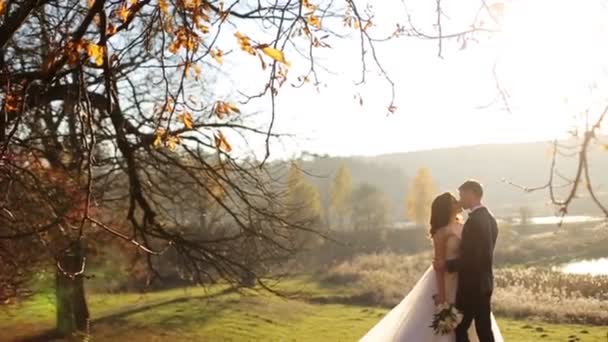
(475, 276)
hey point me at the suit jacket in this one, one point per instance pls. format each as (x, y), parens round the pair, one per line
(474, 266)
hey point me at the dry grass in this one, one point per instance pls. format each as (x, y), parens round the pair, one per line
(521, 292)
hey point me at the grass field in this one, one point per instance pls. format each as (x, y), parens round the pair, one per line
(219, 315)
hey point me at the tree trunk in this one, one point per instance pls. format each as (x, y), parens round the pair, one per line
(72, 309)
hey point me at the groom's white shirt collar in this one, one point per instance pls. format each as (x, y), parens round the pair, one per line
(475, 208)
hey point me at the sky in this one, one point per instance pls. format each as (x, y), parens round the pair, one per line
(549, 58)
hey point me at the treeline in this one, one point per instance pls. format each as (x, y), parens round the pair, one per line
(351, 206)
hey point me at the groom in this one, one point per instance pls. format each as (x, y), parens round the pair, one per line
(474, 266)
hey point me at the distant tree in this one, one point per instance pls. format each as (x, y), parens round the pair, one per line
(524, 215)
(420, 196)
(341, 192)
(370, 208)
(303, 199)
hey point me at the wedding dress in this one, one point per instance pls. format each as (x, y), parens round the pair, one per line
(409, 321)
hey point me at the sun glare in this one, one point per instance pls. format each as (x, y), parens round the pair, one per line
(551, 57)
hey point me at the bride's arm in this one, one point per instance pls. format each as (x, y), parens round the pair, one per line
(439, 250)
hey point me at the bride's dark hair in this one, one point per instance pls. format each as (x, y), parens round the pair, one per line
(441, 211)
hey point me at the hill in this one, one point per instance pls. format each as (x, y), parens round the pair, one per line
(527, 164)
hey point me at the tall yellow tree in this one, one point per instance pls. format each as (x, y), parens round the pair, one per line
(304, 199)
(341, 193)
(419, 197)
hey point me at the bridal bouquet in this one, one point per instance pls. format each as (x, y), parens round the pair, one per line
(446, 319)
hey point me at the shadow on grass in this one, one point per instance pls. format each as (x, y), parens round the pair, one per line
(117, 316)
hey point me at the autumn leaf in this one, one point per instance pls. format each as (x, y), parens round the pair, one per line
(11, 103)
(186, 119)
(234, 109)
(275, 54)
(74, 50)
(221, 142)
(244, 43)
(158, 137)
(308, 5)
(111, 30)
(224, 108)
(172, 142)
(203, 28)
(217, 54)
(123, 13)
(96, 53)
(184, 38)
(314, 21)
(163, 6)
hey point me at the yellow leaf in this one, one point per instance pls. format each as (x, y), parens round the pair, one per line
(197, 70)
(217, 54)
(314, 21)
(158, 137)
(234, 109)
(96, 53)
(245, 43)
(203, 28)
(123, 13)
(172, 142)
(186, 119)
(275, 54)
(221, 143)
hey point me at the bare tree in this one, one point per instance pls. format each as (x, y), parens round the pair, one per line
(102, 111)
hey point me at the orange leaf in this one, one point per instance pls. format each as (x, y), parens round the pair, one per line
(11, 104)
(275, 54)
(308, 5)
(163, 6)
(314, 21)
(111, 30)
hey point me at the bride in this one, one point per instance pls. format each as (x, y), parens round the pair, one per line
(410, 320)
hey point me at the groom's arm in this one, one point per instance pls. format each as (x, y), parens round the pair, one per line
(452, 265)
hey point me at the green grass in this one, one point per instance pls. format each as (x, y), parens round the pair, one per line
(197, 315)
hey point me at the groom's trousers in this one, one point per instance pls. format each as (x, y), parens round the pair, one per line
(480, 311)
